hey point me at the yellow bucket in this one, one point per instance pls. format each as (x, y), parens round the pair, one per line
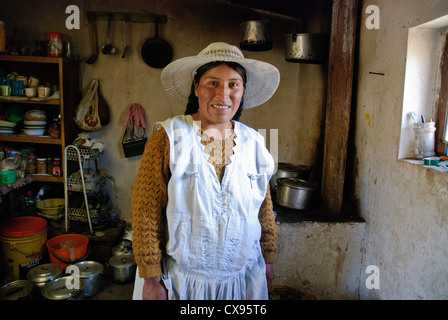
(22, 243)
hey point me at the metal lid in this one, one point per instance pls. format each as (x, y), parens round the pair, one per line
(16, 290)
(296, 183)
(44, 272)
(89, 268)
(57, 289)
(122, 260)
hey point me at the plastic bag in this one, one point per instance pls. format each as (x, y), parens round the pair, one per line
(87, 117)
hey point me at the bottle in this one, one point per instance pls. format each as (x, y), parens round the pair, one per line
(30, 204)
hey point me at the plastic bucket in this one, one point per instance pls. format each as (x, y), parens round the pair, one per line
(67, 249)
(22, 242)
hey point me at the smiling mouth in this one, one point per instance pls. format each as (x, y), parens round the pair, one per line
(220, 107)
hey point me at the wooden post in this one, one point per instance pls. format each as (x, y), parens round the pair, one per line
(339, 96)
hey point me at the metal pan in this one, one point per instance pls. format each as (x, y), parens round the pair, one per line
(157, 52)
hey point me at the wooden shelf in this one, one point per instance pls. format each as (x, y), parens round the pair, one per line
(4, 57)
(29, 139)
(46, 178)
(55, 102)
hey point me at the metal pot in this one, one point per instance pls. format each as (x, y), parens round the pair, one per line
(295, 193)
(256, 35)
(123, 246)
(18, 290)
(44, 273)
(123, 268)
(90, 275)
(57, 290)
(289, 170)
(305, 47)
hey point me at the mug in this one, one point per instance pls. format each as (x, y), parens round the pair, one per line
(43, 92)
(33, 81)
(31, 92)
(5, 90)
(23, 79)
(17, 88)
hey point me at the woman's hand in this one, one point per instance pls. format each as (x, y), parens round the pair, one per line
(269, 275)
(153, 289)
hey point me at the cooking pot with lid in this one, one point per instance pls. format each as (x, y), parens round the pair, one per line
(123, 268)
(58, 290)
(18, 290)
(289, 170)
(44, 273)
(90, 273)
(295, 193)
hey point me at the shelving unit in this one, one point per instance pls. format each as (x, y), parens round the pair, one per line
(56, 71)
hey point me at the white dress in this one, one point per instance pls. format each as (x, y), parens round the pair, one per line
(212, 228)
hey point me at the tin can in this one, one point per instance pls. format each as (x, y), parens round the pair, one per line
(54, 44)
(56, 171)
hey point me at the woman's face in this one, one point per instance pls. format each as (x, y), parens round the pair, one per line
(219, 93)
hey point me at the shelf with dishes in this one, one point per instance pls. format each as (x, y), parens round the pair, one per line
(14, 99)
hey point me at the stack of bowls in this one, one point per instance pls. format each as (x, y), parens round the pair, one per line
(34, 123)
(7, 126)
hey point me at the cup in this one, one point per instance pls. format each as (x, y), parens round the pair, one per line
(5, 90)
(43, 92)
(33, 81)
(31, 92)
(17, 88)
(23, 79)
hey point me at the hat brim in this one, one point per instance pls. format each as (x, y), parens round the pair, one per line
(262, 78)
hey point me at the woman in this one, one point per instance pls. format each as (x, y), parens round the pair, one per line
(203, 224)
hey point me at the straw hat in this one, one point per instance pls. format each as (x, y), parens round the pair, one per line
(262, 78)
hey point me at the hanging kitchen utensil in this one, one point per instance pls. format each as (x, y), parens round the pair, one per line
(156, 52)
(126, 47)
(256, 35)
(94, 56)
(306, 48)
(108, 48)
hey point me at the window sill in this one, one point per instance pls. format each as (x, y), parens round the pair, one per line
(420, 163)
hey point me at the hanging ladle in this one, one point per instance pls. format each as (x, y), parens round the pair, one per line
(108, 48)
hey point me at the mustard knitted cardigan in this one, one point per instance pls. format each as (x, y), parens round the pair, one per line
(149, 200)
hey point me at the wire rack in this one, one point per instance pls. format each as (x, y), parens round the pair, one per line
(86, 154)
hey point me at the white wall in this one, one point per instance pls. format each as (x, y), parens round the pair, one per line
(404, 205)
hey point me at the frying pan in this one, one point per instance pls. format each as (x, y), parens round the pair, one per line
(156, 52)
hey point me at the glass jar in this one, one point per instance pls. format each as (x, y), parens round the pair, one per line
(32, 164)
(50, 165)
(41, 166)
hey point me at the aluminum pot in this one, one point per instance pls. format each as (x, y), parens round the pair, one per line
(305, 47)
(58, 290)
(289, 170)
(123, 268)
(256, 35)
(18, 290)
(44, 273)
(295, 193)
(90, 273)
